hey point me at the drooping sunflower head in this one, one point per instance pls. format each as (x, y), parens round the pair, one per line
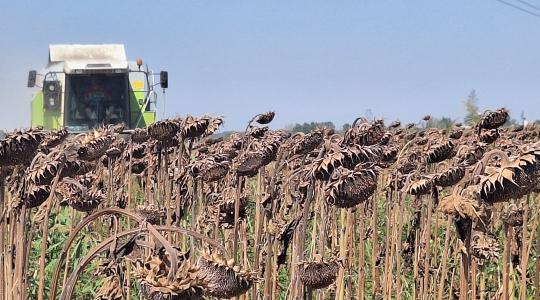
(222, 278)
(319, 274)
(349, 188)
(152, 272)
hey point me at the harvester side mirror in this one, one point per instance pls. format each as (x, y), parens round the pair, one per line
(31, 79)
(51, 94)
(164, 79)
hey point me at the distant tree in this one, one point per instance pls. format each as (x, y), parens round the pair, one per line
(345, 127)
(442, 123)
(471, 108)
(308, 127)
(223, 134)
(326, 124)
(289, 127)
(512, 122)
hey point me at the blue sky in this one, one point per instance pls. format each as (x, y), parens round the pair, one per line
(307, 60)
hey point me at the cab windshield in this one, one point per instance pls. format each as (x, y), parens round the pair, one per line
(96, 99)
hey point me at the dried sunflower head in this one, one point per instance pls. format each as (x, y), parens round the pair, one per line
(493, 119)
(152, 213)
(139, 150)
(116, 149)
(74, 167)
(471, 154)
(512, 214)
(440, 152)
(36, 195)
(151, 274)
(204, 165)
(319, 274)
(94, 146)
(250, 165)
(512, 180)
(408, 164)
(323, 167)
(422, 141)
(194, 127)
(394, 124)
(163, 130)
(220, 207)
(389, 155)
(215, 171)
(456, 134)
(43, 171)
(365, 133)
(265, 118)
(484, 247)
(19, 147)
(355, 155)
(222, 278)
(140, 135)
(465, 204)
(387, 137)
(53, 139)
(111, 289)
(258, 132)
(419, 187)
(410, 136)
(252, 162)
(449, 177)
(490, 136)
(308, 142)
(139, 166)
(349, 188)
(213, 126)
(78, 195)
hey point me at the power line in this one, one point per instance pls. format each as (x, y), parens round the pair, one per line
(519, 8)
(529, 4)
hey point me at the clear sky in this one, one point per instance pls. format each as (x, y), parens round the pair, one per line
(307, 60)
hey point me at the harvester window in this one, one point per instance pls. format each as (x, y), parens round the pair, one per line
(96, 99)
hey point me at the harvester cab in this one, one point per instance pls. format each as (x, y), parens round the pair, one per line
(86, 86)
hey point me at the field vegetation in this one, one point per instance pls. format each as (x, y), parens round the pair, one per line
(377, 211)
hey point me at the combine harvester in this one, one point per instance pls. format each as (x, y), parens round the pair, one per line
(86, 86)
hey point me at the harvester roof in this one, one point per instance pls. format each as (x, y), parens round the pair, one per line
(88, 57)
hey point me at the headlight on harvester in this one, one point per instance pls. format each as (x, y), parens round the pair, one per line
(51, 94)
